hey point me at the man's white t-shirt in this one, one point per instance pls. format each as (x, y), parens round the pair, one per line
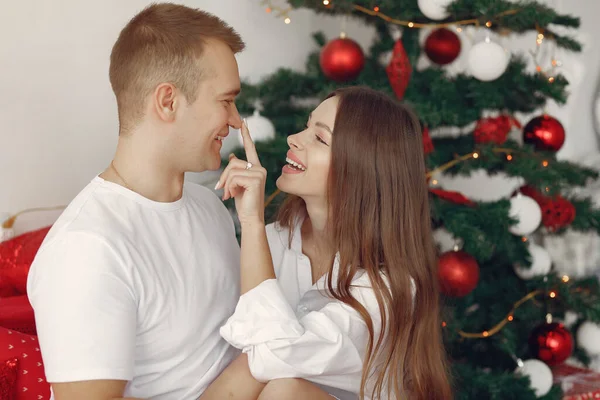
(131, 289)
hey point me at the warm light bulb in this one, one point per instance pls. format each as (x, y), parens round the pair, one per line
(287, 20)
(540, 36)
(434, 182)
(509, 157)
(326, 2)
(551, 79)
(565, 278)
(475, 155)
(459, 29)
(524, 238)
(510, 317)
(444, 324)
(488, 24)
(268, 10)
(553, 294)
(486, 334)
(544, 163)
(376, 9)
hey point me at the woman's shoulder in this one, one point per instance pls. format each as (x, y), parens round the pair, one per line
(277, 235)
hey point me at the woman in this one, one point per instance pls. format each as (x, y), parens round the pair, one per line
(353, 252)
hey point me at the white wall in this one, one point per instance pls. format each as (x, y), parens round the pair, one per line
(58, 125)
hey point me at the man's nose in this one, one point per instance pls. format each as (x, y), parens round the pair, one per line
(235, 120)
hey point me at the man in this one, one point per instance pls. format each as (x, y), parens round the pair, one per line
(138, 274)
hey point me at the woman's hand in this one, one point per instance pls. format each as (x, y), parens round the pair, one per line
(245, 181)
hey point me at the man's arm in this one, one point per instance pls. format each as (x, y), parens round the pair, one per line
(86, 315)
(89, 390)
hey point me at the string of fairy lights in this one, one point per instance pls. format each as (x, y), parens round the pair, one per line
(549, 73)
(376, 11)
(552, 294)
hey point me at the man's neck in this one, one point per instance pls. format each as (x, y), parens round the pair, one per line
(144, 170)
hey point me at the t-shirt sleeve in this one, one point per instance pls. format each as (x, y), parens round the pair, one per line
(85, 309)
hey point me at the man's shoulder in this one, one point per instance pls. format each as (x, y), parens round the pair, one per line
(202, 195)
(94, 215)
(199, 191)
(206, 201)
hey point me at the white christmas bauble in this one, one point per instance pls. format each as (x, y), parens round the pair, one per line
(487, 60)
(434, 9)
(570, 318)
(261, 129)
(539, 374)
(527, 211)
(588, 337)
(540, 263)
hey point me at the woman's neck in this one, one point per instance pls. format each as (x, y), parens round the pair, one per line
(316, 242)
(314, 227)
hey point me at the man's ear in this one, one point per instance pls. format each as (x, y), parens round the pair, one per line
(165, 101)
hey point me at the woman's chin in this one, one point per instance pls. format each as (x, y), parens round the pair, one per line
(284, 186)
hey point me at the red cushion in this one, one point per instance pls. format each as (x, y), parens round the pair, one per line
(9, 370)
(16, 314)
(16, 256)
(31, 381)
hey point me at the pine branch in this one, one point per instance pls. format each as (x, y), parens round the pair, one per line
(443, 101)
(516, 90)
(483, 228)
(495, 385)
(587, 217)
(530, 16)
(581, 296)
(526, 163)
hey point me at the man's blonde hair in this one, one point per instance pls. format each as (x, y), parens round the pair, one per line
(162, 43)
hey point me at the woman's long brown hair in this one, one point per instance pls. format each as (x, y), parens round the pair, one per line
(379, 222)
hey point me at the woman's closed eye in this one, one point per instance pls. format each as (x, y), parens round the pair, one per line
(321, 140)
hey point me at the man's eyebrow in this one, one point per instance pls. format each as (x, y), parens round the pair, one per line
(232, 92)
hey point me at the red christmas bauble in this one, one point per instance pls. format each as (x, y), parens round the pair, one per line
(557, 212)
(458, 273)
(342, 60)
(442, 46)
(399, 70)
(494, 130)
(551, 343)
(545, 133)
(427, 142)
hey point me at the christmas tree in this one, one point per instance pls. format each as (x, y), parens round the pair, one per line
(503, 303)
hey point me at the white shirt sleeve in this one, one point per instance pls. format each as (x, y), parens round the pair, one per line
(326, 342)
(85, 309)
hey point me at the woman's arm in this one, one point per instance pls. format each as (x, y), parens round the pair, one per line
(325, 346)
(245, 181)
(235, 383)
(256, 263)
